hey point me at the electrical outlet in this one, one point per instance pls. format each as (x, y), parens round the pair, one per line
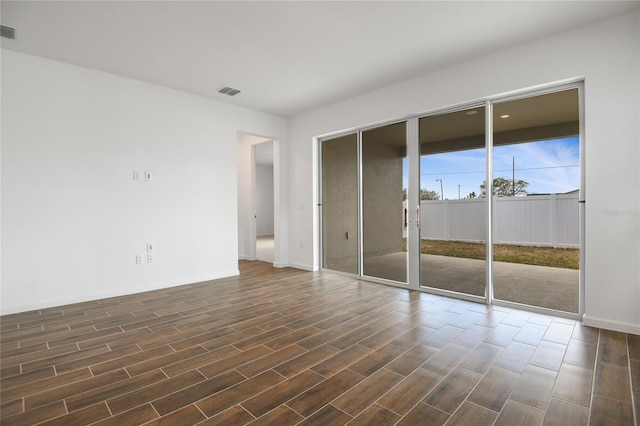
(301, 244)
(137, 175)
(139, 259)
(149, 257)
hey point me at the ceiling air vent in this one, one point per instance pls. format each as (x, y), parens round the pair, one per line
(8, 32)
(228, 91)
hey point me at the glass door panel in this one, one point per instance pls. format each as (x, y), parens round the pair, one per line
(453, 208)
(384, 169)
(536, 188)
(340, 204)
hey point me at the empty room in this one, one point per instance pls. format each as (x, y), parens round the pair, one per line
(320, 213)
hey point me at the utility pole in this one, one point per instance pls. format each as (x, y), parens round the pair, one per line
(458, 192)
(441, 191)
(513, 177)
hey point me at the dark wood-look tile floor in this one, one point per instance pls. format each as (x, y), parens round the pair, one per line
(284, 347)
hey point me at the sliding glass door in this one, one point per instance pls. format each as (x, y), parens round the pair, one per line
(453, 210)
(340, 204)
(480, 202)
(384, 168)
(536, 194)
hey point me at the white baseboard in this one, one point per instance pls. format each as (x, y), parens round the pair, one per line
(301, 266)
(608, 324)
(115, 293)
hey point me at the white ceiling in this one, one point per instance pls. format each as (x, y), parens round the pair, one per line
(286, 57)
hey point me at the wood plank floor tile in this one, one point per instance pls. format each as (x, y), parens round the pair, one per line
(234, 395)
(281, 393)
(47, 357)
(515, 356)
(535, 386)
(281, 415)
(530, 334)
(612, 350)
(311, 400)
(164, 360)
(494, 389)
(298, 364)
(409, 361)
(201, 360)
(472, 336)
(472, 414)
(22, 379)
(189, 415)
(365, 393)
(375, 415)
(447, 359)
(385, 336)
(137, 416)
(562, 412)
(574, 384)
(559, 333)
(341, 360)
(423, 414)
(150, 393)
(36, 415)
(482, 357)
(515, 412)
(634, 346)
(406, 394)
(284, 346)
(605, 411)
(227, 363)
(328, 415)
(323, 338)
(85, 416)
(581, 353)
(453, 389)
(501, 334)
(634, 365)
(409, 338)
(75, 388)
(10, 408)
(30, 388)
(97, 359)
(111, 390)
(612, 381)
(233, 416)
(377, 359)
(196, 392)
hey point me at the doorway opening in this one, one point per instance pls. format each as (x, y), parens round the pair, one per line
(263, 200)
(258, 199)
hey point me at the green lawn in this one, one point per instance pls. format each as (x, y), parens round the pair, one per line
(544, 256)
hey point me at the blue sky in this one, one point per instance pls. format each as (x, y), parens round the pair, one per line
(550, 166)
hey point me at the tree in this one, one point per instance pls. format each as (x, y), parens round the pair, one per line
(471, 196)
(504, 187)
(425, 194)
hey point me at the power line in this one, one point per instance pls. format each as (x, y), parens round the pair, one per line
(500, 170)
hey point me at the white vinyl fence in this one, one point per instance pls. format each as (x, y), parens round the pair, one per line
(539, 220)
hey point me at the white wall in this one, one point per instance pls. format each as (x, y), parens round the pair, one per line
(607, 55)
(264, 200)
(73, 218)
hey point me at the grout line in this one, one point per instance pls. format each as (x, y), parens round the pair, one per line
(593, 381)
(633, 405)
